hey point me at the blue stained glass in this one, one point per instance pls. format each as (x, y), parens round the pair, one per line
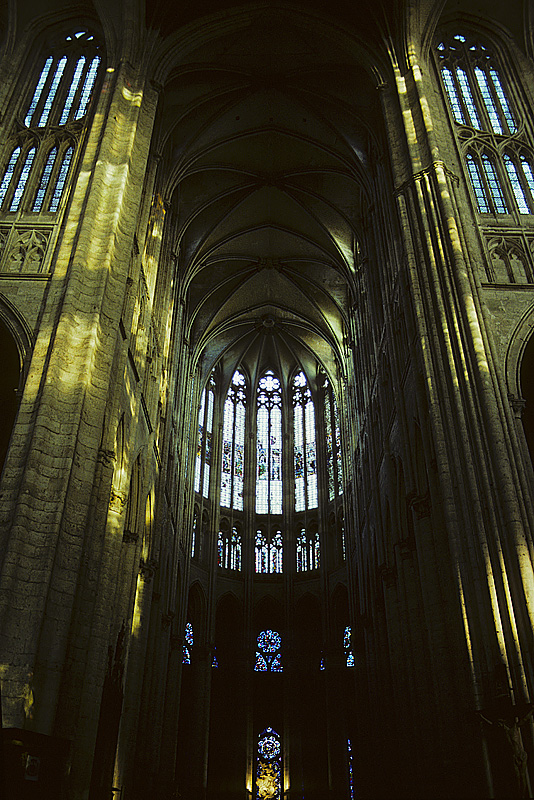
(186, 658)
(72, 90)
(189, 634)
(351, 769)
(221, 550)
(38, 90)
(527, 171)
(322, 665)
(268, 656)
(52, 91)
(193, 536)
(6, 180)
(87, 87)
(45, 178)
(509, 117)
(517, 187)
(494, 185)
(215, 663)
(21, 185)
(485, 91)
(452, 94)
(468, 97)
(478, 186)
(347, 644)
(62, 177)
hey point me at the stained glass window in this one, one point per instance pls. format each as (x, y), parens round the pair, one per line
(308, 552)
(351, 769)
(474, 87)
(188, 643)
(494, 185)
(194, 535)
(347, 645)
(61, 93)
(517, 185)
(304, 448)
(269, 446)
(333, 442)
(268, 655)
(214, 662)
(478, 187)
(204, 439)
(269, 766)
(269, 552)
(233, 444)
(229, 549)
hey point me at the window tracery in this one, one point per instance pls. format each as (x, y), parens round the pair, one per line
(268, 653)
(269, 766)
(38, 165)
(497, 158)
(229, 549)
(269, 552)
(308, 551)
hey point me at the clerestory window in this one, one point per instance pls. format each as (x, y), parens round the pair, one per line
(269, 445)
(233, 444)
(498, 158)
(45, 138)
(304, 448)
(204, 439)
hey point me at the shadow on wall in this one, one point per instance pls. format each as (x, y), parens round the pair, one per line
(9, 383)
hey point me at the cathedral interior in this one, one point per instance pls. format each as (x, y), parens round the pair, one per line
(267, 399)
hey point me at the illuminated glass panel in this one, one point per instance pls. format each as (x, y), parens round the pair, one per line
(308, 552)
(517, 187)
(235, 550)
(233, 444)
(6, 180)
(452, 94)
(268, 766)
(72, 90)
(468, 97)
(304, 452)
(269, 446)
(45, 178)
(527, 171)
(262, 553)
(188, 643)
(87, 87)
(347, 644)
(276, 553)
(483, 85)
(269, 554)
(478, 186)
(229, 550)
(194, 536)
(215, 662)
(351, 769)
(52, 91)
(337, 429)
(208, 443)
(38, 90)
(508, 116)
(21, 185)
(494, 185)
(268, 655)
(200, 437)
(61, 178)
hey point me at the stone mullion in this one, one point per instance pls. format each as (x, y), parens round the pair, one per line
(82, 305)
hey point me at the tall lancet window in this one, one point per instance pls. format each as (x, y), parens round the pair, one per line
(204, 439)
(233, 444)
(269, 766)
(269, 444)
(333, 442)
(305, 457)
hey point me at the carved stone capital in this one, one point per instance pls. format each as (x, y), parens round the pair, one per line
(117, 502)
(147, 569)
(105, 457)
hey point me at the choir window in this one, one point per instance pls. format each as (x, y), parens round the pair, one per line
(269, 552)
(305, 459)
(229, 549)
(233, 444)
(269, 446)
(308, 551)
(204, 439)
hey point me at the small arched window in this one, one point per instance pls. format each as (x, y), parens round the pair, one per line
(188, 643)
(233, 444)
(229, 549)
(269, 765)
(269, 552)
(308, 551)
